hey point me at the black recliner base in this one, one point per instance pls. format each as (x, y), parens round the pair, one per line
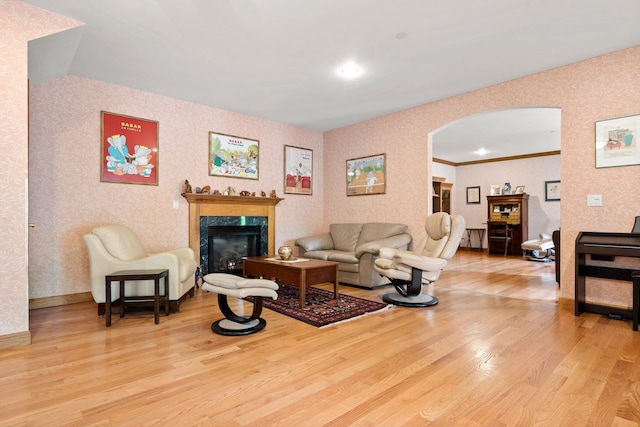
(422, 300)
(410, 292)
(234, 325)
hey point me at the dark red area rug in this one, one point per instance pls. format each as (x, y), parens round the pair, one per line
(321, 309)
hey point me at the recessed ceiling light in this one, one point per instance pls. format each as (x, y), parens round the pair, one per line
(350, 70)
(481, 152)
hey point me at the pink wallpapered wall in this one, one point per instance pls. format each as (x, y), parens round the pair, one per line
(67, 198)
(596, 89)
(19, 23)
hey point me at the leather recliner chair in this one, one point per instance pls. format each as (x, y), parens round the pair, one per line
(409, 270)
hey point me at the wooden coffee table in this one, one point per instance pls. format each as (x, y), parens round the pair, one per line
(300, 273)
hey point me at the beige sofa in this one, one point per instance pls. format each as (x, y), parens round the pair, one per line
(355, 246)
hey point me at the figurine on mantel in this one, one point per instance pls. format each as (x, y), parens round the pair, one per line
(232, 191)
(206, 189)
(273, 193)
(245, 193)
(263, 194)
(187, 187)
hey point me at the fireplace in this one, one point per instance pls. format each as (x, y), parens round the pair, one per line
(211, 209)
(227, 245)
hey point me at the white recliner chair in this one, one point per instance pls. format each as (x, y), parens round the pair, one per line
(409, 270)
(540, 249)
(116, 247)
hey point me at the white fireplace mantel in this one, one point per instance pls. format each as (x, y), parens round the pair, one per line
(217, 205)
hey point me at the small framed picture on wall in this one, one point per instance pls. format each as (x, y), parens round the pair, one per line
(473, 195)
(552, 191)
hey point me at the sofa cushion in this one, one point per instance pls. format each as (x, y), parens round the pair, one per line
(345, 257)
(315, 243)
(120, 241)
(323, 255)
(348, 267)
(377, 230)
(345, 236)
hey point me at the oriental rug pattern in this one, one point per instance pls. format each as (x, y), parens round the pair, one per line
(321, 308)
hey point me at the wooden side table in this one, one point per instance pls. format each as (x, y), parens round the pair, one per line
(480, 232)
(125, 275)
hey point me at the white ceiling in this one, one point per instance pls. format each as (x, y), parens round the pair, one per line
(277, 59)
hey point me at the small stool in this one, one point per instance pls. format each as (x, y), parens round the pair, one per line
(231, 285)
(126, 275)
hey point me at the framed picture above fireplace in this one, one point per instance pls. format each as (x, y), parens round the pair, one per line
(233, 156)
(298, 170)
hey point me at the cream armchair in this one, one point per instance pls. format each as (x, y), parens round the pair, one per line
(409, 270)
(116, 247)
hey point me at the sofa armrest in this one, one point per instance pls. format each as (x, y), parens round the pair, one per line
(319, 242)
(399, 241)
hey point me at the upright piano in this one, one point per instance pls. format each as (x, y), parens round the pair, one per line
(606, 246)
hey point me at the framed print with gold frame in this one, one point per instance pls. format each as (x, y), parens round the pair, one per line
(366, 175)
(233, 156)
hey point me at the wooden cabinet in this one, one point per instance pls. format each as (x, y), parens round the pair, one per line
(514, 210)
(441, 195)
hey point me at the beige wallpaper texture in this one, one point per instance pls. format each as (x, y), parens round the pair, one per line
(596, 89)
(67, 198)
(19, 23)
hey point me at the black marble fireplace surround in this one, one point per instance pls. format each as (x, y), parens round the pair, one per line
(244, 241)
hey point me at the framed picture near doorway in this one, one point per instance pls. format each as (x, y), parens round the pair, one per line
(552, 191)
(366, 175)
(473, 195)
(617, 142)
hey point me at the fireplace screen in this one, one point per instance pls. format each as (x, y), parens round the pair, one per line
(229, 244)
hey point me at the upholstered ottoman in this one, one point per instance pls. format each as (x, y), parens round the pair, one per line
(231, 285)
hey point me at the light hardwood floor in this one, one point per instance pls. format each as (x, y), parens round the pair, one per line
(496, 351)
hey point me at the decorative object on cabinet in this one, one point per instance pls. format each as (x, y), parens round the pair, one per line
(519, 189)
(473, 195)
(552, 191)
(366, 175)
(232, 156)
(129, 149)
(298, 170)
(617, 142)
(441, 195)
(496, 190)
(507, 188)
(514, 210)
